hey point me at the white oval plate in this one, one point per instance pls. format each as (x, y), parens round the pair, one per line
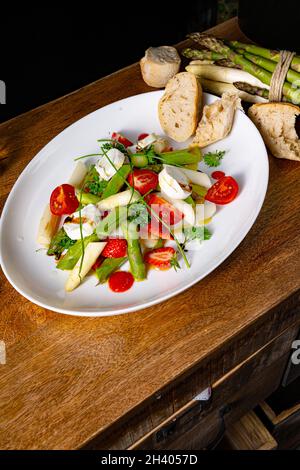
(33, 274)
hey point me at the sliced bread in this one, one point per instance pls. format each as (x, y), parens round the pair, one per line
(180, 106)
(276, 123)
(159, 65)
(217, 119)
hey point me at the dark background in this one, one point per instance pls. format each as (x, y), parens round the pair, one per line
(47, 52)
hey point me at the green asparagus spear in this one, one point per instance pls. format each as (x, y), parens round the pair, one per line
(59, 243)
(190, 201)
(292, 76)
(219, 46)
(263, 52)
(253, 90)
(109, 266)
(89, 198)
(202, 55)
(134, 253)
(75, 252)
(116, 183)
(139, 160)
(176, 157)
(182, 157)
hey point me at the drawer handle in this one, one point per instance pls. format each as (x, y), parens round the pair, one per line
(189, 415)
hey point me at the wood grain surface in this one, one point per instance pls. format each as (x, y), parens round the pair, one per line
(67, 378)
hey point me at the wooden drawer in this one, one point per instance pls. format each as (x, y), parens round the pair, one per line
(198, 425)
(248, 433)
(174, 419)
(284, 425)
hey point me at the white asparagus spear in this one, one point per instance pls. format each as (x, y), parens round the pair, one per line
(218, 88)
(224, 74)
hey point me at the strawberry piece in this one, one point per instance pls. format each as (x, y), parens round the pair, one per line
(121, 139)
(115, 248)
(161, 258)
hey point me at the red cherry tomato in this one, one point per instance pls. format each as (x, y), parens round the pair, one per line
(120, 281)
(143, 180)
(115, 248)
(164, 209)
(217, 175)
(121, 139)
(143, 136)
(63, 200)
(223, 191)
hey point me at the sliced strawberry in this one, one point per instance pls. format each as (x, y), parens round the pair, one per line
(115, 248)
(121, 139)
(142, 136)
(161, 258)
(98, 263)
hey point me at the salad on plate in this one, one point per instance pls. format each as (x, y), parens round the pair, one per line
(145, 204)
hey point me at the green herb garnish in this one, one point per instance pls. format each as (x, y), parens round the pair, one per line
(195, 233)
(59, 243)
(92, 183)
(138, 213)
(213, 159)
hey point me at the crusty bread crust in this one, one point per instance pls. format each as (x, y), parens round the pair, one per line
(180, 106)
(276, 123)
(159, 65)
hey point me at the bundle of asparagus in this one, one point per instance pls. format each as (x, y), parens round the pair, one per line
(250, 68)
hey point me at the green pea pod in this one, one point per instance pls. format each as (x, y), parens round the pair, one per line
(116, 182)
(74, 253)
(109, 266)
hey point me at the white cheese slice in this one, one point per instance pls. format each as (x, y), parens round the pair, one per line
(174, 183)
(90, 217)
(107, 167)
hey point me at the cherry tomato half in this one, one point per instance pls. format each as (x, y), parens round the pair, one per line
(223, 191)
(143, 180)
(63, 200)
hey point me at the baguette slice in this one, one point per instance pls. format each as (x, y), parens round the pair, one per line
(217, 120)
(179, 107)
(276, 122)
(159, 65)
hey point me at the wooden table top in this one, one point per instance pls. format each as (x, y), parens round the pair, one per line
(69, 378)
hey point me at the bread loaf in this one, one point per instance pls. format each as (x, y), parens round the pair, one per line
(276, 122)
(159, 65)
